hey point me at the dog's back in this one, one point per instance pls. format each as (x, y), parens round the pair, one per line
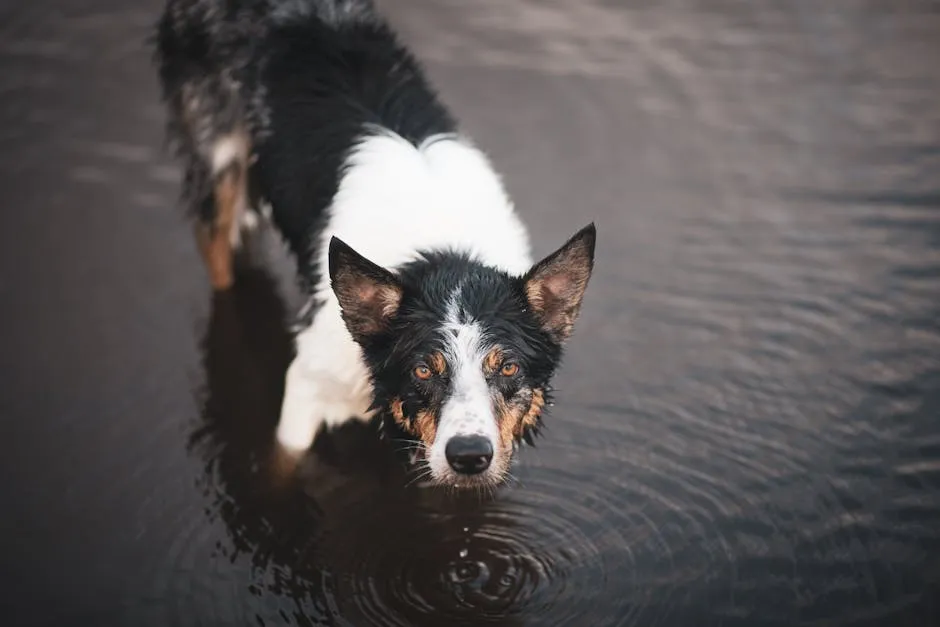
(316, 106)
(289, 85)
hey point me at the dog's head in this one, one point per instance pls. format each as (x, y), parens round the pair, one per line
(461, 354)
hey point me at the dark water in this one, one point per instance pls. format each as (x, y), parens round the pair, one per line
(748, 425)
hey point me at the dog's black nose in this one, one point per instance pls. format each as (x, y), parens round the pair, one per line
(469, 454)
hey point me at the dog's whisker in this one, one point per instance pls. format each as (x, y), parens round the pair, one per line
(420, 475)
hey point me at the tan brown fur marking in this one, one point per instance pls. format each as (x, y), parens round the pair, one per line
(493, 360)
(426, 427)
(230, 195)
(214, 239)
(531, 417)
(509, 416)
(517, 414)
(398, 413)
(437, 363)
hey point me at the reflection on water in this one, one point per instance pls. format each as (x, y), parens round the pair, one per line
(346, 534)
(747, 422)
(636, 539)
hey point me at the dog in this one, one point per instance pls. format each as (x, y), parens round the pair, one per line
(424, 309)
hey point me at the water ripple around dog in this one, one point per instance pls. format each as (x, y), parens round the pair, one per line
(530, 551)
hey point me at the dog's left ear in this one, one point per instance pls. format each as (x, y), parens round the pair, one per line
(368, 294)
(555, 286)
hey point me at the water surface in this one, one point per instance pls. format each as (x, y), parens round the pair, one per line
(748, 421)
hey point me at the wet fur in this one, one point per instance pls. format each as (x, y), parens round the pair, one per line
(278, 72)
(441, 289)
(305, 105)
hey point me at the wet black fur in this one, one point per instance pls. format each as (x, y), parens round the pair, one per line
(305, 79)
(491, 298)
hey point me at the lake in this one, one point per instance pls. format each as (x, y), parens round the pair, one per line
(747, 427)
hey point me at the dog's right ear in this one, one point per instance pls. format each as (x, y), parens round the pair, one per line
(555, 286)
(368, 294)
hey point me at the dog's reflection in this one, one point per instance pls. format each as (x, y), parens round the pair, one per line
(343, 533)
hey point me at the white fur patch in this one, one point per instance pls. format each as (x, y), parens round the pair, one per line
(326, 383)
(468, 410)
(394, 201)
(397, 199)
(227, 150)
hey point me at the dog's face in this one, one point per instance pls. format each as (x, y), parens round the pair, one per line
(461, 354)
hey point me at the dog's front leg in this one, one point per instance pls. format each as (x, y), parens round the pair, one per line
(326, 384)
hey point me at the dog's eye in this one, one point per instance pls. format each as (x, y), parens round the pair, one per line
(509, 369)
(423, 372)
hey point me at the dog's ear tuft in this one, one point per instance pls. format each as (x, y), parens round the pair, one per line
(555, 286)
(369, 295)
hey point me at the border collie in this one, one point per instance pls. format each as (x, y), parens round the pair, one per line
(424, 308)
